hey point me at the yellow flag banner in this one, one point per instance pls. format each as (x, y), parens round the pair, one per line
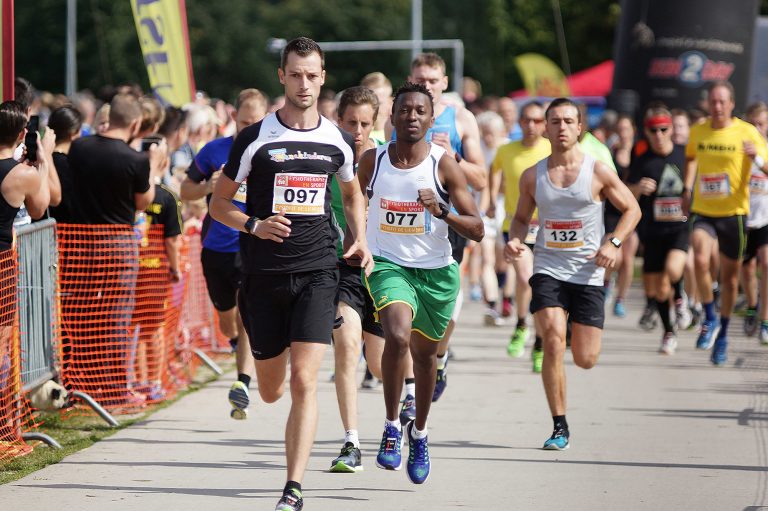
(541, 76)
(162, 29)
(6, 51)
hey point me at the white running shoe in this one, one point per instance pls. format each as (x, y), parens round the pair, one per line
(668, 344)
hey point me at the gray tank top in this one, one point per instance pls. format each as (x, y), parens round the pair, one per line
(570, 227)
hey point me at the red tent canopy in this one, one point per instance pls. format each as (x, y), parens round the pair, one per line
(593, 81)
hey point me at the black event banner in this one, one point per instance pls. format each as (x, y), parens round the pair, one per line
(670, 50)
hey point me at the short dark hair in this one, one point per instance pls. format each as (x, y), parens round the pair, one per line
(174, 120)
(409, 87)
(303, 47)
(13, 119)
(356, 96)
(123, 110)
(722, 83)
(530, 104)
(563, 102)
(23, 92)
(66, 122)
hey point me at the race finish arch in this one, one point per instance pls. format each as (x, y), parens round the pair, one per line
(670, 51)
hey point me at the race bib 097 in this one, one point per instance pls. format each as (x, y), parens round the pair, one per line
(299, 194)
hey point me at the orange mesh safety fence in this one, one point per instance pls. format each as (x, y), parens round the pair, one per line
(128, 333)
(15, 415)
(198, 314)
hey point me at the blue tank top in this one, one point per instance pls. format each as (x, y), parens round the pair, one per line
(217, 236)
(445, 123)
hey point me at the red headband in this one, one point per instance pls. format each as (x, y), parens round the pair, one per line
(658, 120)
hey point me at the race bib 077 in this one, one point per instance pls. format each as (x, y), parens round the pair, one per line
(563, 234)
(714, 186)
(299, 194)
(402, 217)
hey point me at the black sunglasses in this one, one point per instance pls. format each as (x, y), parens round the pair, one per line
(656, 130)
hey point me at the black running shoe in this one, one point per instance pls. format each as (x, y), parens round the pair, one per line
(290, 501)
(349, 460)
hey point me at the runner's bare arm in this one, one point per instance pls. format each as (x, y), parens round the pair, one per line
(607, 185)
(473, 163)
(689, 177)
(468, 222)
(354, 212)
(526, 205)
(365, 170)
(275, 227)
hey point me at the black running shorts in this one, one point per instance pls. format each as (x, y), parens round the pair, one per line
(223, 273)
(287, 307)
(756, 238)
(353, 293)
(657, 247)
(584, 304)
(729, 231)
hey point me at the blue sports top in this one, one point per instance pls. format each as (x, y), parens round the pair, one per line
(217, 236)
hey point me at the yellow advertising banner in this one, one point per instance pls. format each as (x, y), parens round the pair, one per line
(162, 29)
(541, 76)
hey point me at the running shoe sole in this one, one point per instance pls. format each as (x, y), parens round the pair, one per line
(239, 399)
(554, 447)
(342, 468)
(388, 467)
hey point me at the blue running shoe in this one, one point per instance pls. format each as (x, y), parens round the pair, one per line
(558, 441)
(408, 411)
(389, 457)
(418, 457)
(709, 330)
(618, 309)
(720, 351)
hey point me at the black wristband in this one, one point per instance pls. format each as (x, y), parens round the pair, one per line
(250, 224)
(443, 211)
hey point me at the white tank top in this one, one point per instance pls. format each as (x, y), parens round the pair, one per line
(570, 227)
(758, 199)
(399, 228)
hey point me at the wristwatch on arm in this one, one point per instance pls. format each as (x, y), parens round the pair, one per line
(616, 242)
(250, 224)
(443, 211)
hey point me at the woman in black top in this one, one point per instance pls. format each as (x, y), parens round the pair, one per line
(66, 122)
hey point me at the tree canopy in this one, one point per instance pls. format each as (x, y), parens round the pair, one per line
(228, 39)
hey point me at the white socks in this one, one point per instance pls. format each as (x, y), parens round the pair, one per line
(441, 361)
(395, 424)
(410, 389)
(418, 435)
(351, 436)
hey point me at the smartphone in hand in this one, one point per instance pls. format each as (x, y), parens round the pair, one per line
(30, 140)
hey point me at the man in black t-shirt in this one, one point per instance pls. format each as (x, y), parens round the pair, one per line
(288, 243)
(656, 180)
(111, 182)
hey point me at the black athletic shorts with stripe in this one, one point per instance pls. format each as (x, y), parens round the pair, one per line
(730, 232)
